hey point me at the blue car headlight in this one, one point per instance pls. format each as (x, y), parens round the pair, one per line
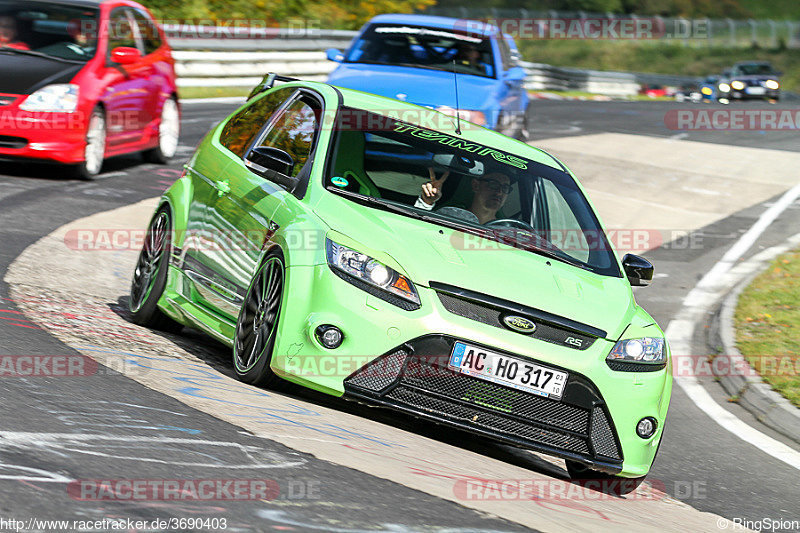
(371, 275)
(645, 350)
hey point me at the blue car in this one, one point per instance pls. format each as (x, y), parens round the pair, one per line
(415, 58)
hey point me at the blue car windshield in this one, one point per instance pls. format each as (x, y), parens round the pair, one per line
(55, 30)
(487, 192)
(421, 47)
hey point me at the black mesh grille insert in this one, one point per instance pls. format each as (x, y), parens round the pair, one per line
(625, 366)
(381, 373)
(488, 421)
(472, 390)
(494, 317)
(602, 437)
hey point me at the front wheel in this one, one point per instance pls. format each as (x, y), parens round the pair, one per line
(607, 483)
(95, 150)
(257, 325)
(150, 275)
(169, 129)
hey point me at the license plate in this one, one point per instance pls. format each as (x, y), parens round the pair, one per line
(755, 90)
(508, 371)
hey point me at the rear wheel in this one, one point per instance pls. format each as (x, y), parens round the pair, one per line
(169, 128)
(607, 483)
(257, 325)
(95, 151)
(150, 275)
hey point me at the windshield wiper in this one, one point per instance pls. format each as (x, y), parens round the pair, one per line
(380, 204)
(37, 54)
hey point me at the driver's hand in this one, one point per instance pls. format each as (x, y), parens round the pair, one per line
(432, 191)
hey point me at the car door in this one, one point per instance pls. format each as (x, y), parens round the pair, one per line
(127, 86)
(153, 67)
(246, 215)
(206, 247)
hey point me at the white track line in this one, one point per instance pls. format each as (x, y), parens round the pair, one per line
(699, 300)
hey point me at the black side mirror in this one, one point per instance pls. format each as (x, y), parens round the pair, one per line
(272, 164)
(638, 269)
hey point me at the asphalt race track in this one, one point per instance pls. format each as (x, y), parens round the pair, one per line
(168, 408)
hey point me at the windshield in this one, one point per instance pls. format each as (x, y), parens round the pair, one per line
(756, 69)
(388, 164)
(431, 48)
(58, 31)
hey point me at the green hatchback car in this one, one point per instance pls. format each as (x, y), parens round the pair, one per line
(372, 249)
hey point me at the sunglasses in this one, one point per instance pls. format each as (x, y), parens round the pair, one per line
(496, 186)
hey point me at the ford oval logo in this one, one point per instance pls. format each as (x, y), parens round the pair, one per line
(519, 324)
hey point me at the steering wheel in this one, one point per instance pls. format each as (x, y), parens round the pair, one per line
(509, 223)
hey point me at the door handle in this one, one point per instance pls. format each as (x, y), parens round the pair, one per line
(223, 187)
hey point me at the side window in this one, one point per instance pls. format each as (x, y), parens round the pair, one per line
(149, 32)
(120, 30)
(243, 127)
(293, 133)
(565, 230)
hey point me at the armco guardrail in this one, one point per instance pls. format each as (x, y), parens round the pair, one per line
(239, 57)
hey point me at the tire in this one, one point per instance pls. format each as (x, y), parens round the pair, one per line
(150, 275)
(94, 152)
(607, 483)
(169, 128)
(257, 325)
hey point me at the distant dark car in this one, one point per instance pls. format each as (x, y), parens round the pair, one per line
(689, 92)
(750, 79)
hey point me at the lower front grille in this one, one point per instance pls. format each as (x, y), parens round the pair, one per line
(7, 141)
(415, 378)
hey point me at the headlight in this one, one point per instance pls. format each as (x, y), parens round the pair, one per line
(646, 350)
(60, 98)
(706, 91)
(476, 117)
(738, 85)
(380, 280)
(772, 84)
(724, 87)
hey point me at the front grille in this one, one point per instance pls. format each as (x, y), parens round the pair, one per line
(493, 316)
(415, 378)
(6, 141)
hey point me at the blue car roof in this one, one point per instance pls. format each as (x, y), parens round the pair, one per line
(437, 22)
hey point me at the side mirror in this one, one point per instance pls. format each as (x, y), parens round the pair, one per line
(638, 269)
(125, 55)
(272, 164)
(334, 54)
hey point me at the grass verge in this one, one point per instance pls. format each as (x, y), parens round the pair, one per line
(212, 92)
(767, 321)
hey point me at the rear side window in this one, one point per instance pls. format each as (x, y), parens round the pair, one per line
(244, 126)
(121, 30)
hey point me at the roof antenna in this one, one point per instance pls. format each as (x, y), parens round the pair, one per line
(458, 111)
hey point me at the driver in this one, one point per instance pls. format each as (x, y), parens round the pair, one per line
(8, 33)
(490, 193)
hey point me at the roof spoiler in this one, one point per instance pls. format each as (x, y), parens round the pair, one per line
(267, 83)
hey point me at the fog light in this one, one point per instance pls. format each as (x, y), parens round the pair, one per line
(646, 427)
(329, 336)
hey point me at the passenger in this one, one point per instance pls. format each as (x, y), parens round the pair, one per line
(8, 34)
(490, 193)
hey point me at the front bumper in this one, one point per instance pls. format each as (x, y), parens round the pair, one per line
(414, 378)
(59, 137)
(373, 328)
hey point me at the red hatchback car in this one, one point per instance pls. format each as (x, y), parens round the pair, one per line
(83, 80)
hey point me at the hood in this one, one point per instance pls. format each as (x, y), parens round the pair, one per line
(428, 252)
(420, 86)
(24, 74)
(756, 77)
